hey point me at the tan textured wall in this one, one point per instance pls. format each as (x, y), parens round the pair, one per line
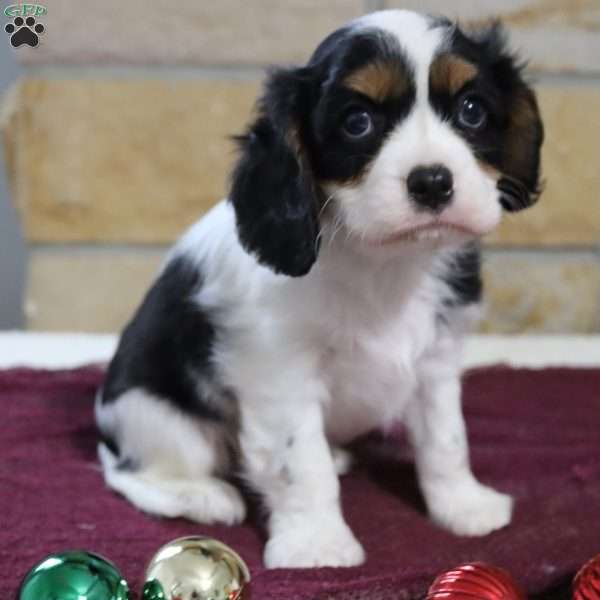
(162, 149)
(190, 32)
(87, 289)
(129, 161)
(557, 35)
(95, 289)
(231, 32)
(538, 292)
(118, 138)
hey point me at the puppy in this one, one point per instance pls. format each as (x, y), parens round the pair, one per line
(329, 295)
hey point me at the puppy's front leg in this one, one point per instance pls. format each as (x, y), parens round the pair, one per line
(288, 460)
(455, 499)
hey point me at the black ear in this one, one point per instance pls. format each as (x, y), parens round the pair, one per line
(273, 191)
(519, 183)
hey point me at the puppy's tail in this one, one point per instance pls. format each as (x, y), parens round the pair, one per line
(206, 500)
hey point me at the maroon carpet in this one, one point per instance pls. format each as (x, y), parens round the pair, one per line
(535, 434)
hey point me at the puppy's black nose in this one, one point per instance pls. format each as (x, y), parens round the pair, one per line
(431, 187)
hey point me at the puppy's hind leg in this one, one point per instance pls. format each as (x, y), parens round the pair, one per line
(168, 464)
(206, 500)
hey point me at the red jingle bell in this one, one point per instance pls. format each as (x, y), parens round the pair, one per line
(586, 585)
(475, 581)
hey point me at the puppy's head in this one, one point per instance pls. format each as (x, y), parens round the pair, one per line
(401, 129)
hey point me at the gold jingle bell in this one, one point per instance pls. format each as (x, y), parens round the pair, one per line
(195, 568)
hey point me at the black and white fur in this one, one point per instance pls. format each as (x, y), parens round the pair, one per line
(324, 299)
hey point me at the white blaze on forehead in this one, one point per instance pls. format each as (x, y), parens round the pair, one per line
(415, 35)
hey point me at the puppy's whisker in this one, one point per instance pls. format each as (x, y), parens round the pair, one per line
(326, 204)
(338, 224)
(317, 240)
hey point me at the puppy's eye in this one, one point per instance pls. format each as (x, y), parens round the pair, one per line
(357, 124)
(472, 113)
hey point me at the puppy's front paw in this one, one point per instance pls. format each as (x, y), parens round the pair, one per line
(471, 509)
(314, 544)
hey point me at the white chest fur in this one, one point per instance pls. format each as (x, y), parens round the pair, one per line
(372, 371)
(354, 327)
(371, 324)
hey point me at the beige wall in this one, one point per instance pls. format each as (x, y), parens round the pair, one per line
(118, 139)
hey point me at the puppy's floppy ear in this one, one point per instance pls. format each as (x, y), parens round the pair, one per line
(273, 191)
(519, 183)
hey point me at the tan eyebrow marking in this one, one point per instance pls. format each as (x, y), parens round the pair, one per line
(379, 81)
(449, 73)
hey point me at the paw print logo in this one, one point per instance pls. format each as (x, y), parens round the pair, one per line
(24, 31)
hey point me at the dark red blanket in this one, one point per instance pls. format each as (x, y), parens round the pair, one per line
(535, 434)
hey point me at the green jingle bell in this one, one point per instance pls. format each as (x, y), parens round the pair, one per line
(195, 568)
(76, 575)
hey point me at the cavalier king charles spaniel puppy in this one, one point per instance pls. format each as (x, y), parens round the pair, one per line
(329, 295)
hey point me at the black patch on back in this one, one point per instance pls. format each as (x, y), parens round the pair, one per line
(464, 277)
(167, 347)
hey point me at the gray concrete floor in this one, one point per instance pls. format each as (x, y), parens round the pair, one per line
(12, 248)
